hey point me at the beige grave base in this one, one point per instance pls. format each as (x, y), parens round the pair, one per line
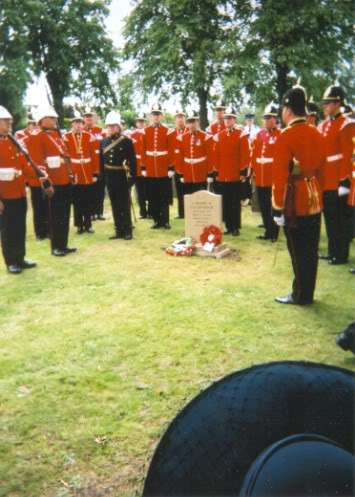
(218, 252)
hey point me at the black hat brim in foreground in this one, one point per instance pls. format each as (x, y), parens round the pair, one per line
(211, 444)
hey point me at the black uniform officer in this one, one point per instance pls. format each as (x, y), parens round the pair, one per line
(118, 165)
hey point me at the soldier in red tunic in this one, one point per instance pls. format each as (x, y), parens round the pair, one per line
(98, 189)
(81, 147)
(262, 158)
(336, 187)
(218, 124)
(14, 172)
(297, 196)
(137, 139)
(180, 129)
(312, 113)
(38, 200)
(194, 160)
(157, 167)
(232, 157)
(348, 161)
(48, 150)
(31, 126)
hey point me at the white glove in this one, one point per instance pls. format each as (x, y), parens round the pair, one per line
(144, 173)
(94, 179)
(209, 180)
(171, 174)
(280, 220)
(182, 180)
(343, 190)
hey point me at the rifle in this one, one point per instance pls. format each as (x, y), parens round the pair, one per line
(66, 159)
(46, 183)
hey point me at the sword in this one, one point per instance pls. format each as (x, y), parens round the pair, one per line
(277, 246)
(125, 165)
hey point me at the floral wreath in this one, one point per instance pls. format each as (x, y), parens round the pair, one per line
(211, 234)
(183, 247)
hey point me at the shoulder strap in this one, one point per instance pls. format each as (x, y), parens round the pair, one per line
(113, 144)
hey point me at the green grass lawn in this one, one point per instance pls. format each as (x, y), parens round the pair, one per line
(101, 349)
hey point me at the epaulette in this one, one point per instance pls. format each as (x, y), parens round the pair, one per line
(244, 133)
(348, 122)
(37, 131)
(284, 130)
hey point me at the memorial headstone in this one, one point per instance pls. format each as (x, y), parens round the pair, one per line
(204, 208)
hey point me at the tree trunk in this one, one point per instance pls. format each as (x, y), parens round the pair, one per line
(202, 99)
(281, 80)
(57, 96)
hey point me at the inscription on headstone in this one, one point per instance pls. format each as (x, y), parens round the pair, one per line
(201, 209)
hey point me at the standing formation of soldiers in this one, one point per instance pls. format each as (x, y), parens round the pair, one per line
(298, 172)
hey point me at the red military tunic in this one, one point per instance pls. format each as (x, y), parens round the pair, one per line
(137, 139)
(21, 134)
(262, 156)
(216, 127)
(98, 134)
(301, 143)
(334, 152)
(47, 149)
(82, 152)
(14, 170)
(32, 182)
(195, 157)
(231, 154)
(173, 136)
(348, 161)
(156, 151)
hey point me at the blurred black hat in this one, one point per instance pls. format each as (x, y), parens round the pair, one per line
(156, 108)
(270, 111)
(334, 93)
(141, 116)
(192, 115)
(296, 99)
(312, 108)
(220, 105)
(230, 112)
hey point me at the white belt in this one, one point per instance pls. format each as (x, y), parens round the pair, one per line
(9, 173)
(333, 158)
(264, 160)
(195, 161)
(156, 153)
(80, 161)
(138, 156)
(53, 162)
